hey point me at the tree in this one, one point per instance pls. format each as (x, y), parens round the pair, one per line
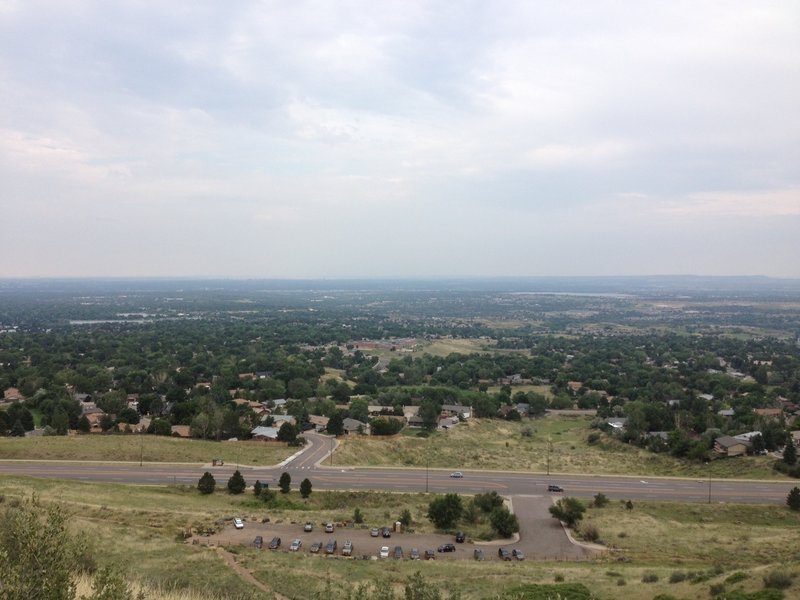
(287, 432)
(445, 511)
(83, 424)
(207, 483)
(419, 589)
(236, 484)
(793, 499)
(429, 411)
(358, 518)
(600, 500)
(405, 518)
(305, 488)
(60, 421)
(503, 521)
(38, 557)
(257, 488)
(790, 453)
(17, 430)
(336, 424)
(569, 510)
(285, 482)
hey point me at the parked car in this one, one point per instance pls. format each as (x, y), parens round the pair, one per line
(398, 552)
(258, 542)
(518, 554)
(328, 527)
(460, 537)
(387, 533)
(315, 547)
(295, 545)
(430, 555)
(477, 554)
(238, 523)
(447, 548)
(384, 552)
(309, 526)
(504, 554)
(330, 547)
(275, 543)
(554, 488)
(347, 549)
(375, 532)
(414, 554)
(457, 475)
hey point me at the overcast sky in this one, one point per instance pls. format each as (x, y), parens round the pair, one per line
(399, 139)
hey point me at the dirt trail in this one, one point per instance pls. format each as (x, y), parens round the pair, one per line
(230, 559)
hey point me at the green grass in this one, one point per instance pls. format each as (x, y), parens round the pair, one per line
(150, 448)
(492, 444)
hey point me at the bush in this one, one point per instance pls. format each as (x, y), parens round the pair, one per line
(736, 577)
(236, 484)
(649, 578)
(589, 532)
(777, 580)
(620, 581)
(488, 502)
(600, 500)
(285, 482)
(570, 510)
(445, 511)
(358, 518)
(559, 577)
(305, 488)
(716, 589)
(793, 499)
(503, 522)
(593, 438)
(677, 577)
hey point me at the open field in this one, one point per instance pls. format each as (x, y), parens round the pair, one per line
(502, 445)
(140, 528)
(148, 448)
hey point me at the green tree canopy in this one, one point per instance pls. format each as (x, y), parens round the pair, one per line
(305, 488)
(236, 483)
(445, 511)
(285, 482)
(207, 483)
(569, 510)
(503, 521)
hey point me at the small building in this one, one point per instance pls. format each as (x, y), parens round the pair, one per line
(769, 413)
(265, 434)
(730, 446)
(319, 422)
(13, 395)
(183, 431)
(457, 410)
(354, 426)
(726, 412)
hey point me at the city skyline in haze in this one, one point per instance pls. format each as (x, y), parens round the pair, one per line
(399, 139)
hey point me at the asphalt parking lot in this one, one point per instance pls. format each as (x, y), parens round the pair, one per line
(541, 537)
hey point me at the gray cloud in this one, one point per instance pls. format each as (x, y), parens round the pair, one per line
(399, 138)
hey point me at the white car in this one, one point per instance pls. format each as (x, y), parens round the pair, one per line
(238, 523)
(295, 545)
(328, 527)
(384, 551)
(456, 475)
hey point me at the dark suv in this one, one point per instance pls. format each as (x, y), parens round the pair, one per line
(447, 548)
(554, 488)
(460, 537)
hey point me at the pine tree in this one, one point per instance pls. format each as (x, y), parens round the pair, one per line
(790, 453)
(305, 488)
(236, 484)
(207, 483)
(793, 499)
(257, 488)
(17, 430)
(285, 482)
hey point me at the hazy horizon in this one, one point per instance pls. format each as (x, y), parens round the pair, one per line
(399, 140)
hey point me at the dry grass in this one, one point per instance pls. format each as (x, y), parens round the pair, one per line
(501, 445)
(132, 448)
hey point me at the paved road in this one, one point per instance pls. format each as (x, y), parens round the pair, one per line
(314, 463)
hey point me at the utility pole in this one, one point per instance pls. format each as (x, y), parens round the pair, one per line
(549, 450)
(427, 465)
(333, 439)
(141, 448)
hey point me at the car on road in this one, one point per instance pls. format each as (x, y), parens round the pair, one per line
(457, 475)
(398, 552)
(258, 542)
(430, 555)
(414, 554)
(309, 526)
(386, 532)
(238, 523)
(347, 549)
(375, 532)
(330, 547)
(504, 554)
(295, 545)
(384, 552)
(275, 543)
(554, 488)
(315, 547)
(328, 527)
(447, 548)
(460, 537)
(518, 554)
(477, 554)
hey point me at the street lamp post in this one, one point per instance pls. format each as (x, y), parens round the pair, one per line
(549, 450)
(141, 449)
(333, 439)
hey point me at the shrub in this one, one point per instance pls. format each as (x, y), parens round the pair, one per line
(793, 499)
(716, 589)
(570, 510)
(236, 484)
(593, 438)
(358, 518)
(503, 522)
(677, 577)
(600, 500)
(736, 577)
(257, 488)
(649, 578)
(285, 482)
(305, 488)
(558, 577)
(778, 580)
(621, 581)
(488, 502)
(589, 532)
(405, 518)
